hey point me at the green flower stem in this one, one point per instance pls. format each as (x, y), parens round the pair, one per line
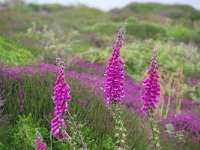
(120, 130)
(70, 143)
(51, 140)
(84, 146)
(154, 129)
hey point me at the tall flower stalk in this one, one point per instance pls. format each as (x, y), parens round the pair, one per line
(114, 88)
(150, 98)
(40, 144)
(61, 99)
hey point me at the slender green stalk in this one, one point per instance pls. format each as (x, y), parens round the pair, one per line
(69, 142)
(154, 129)
(51, 140)
(120, 133)
(84, 146)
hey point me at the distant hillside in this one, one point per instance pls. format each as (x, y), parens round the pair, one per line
(172, 11)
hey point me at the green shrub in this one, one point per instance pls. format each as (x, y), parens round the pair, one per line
(3, 147)
(145, 30)
(137, 54)
(194, 92)
(196, 35)
(12, 55)
(180, 33)
(193, 16)
(46, 7)
(6, 133)
(102, 28)
(24, 136)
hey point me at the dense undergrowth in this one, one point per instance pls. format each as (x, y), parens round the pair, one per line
(83, 37)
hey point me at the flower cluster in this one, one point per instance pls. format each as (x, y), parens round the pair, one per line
(115, 73)
(152, 86)
(61, 99)
(40, 144)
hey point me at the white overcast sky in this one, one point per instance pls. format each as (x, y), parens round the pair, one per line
(109, 4)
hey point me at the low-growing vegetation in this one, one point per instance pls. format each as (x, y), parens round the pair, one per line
(141, 93)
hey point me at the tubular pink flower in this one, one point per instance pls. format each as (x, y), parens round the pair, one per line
(152, 87)
(61, 99)
(115, 72)
(40, 144)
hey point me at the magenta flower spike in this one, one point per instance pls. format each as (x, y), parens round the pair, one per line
(40, 144)
(61, 99)
(115, 73)
(152, 87)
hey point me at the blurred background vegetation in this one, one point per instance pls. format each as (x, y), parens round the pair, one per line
(33, 31)
(29, 33)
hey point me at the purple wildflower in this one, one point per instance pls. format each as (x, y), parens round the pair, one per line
(152, 86)
(115, 72)
(61, 97)
(21, 93)
(40, 144)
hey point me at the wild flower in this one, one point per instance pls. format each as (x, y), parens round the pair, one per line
(152, 87)
(61, 99)
(21, 109)
(40, 144)
(21, 93)
(150, 98)
(114, 87)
